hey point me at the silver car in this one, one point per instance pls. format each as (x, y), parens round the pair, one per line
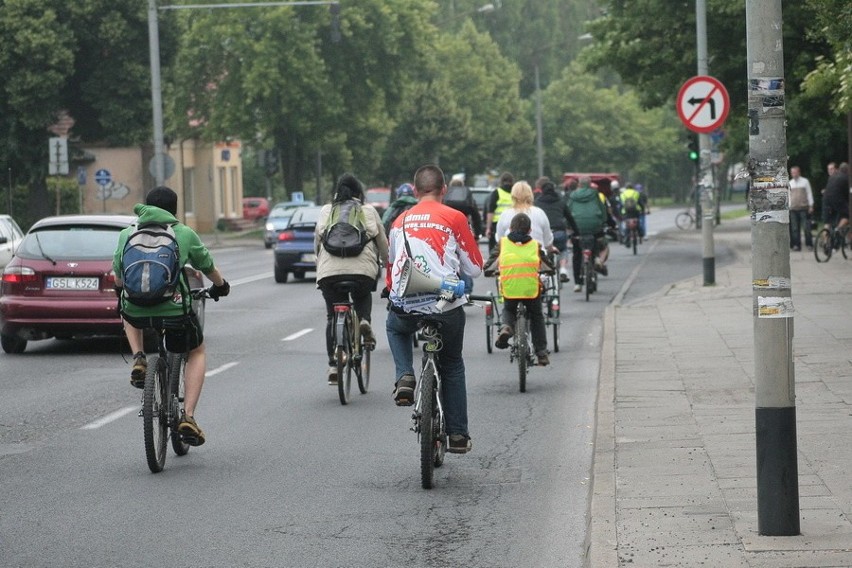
(11, 236)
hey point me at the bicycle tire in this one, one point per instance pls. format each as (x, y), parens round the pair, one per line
(843, 246)
(822, 246)
(177, 368)
(522, 346)
(635, 238)
(427, 427)
(587, 277)
(556, 336)
(344, 374)
(488, 337)
(684, 221)
(363, 373)
(155, 425)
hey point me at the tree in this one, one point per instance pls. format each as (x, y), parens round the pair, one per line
(76, 57)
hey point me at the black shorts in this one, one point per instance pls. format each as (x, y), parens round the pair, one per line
(183, 333)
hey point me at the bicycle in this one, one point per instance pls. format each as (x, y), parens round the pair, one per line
(351, 350)
(632, 238)
(685, 219)
(590, 275)
(163, 395)
(830, 239)
(522, 349)
(428, 414)
(551, 302)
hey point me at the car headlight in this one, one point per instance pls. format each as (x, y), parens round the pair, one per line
(270, 227)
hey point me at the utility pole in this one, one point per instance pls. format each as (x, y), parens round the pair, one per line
(774, 377)
(156, 92)
(706, 193)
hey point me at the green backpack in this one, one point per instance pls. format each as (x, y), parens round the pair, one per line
(346, 233)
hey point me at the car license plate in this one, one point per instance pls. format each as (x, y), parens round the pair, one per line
(309, 257)
(71, 283)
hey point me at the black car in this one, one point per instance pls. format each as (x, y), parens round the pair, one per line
(294, 249)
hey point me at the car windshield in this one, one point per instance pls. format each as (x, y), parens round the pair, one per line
(306, 215)
(76, 242)
(377, 196)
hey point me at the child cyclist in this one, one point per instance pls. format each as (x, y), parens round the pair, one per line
(519, 258)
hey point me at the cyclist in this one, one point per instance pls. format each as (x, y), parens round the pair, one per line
(522, 202)
(364, 268)
(404, 201)
(499, 200)
(631, 208)
(519, 259)
(835, 202)
(590, 214)
(560, 219)
(160, 207)
(438, 238)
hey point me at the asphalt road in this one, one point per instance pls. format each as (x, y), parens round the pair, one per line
(289, 477)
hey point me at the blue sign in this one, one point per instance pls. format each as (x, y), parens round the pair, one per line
(103, 177)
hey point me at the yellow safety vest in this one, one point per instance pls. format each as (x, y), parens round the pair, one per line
(504, 201)
(519, 264)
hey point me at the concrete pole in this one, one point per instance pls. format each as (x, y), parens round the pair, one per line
(774, 377)
(539, 143)
(156, 92)
(706, 193)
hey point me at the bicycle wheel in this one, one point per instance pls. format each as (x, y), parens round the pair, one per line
(522, 347)
(684, 221)
(155, 424)
(427, 427)
(588, 273)
(488, 337)
(634, 237)
(841, 235)
(343, 356)
(363, 371)
(177, 368)
(822, 246)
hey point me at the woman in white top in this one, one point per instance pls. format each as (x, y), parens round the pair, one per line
(522, 202)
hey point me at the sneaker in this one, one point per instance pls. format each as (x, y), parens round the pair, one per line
(332, 375)
(578, 288)
(367, 334)
(503, 337)
(563, 276)
(140, 369)
(603, 270)
(459, 444)
(543, 360)
(403, 392)
(189, 431)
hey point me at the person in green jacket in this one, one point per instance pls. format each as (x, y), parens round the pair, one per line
(160, 207)
(589, 211)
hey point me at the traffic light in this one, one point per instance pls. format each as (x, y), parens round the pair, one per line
(693, 147)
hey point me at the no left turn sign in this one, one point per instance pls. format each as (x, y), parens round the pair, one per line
(703, 104)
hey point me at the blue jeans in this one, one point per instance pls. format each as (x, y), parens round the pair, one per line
(400, 329)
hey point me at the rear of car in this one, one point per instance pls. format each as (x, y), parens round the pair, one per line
(255, 208)
(60, 282)
(294, 250)
(279, 218)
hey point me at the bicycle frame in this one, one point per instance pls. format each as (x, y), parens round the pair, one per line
(429, 408)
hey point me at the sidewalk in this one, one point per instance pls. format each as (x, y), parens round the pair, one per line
(674, 466)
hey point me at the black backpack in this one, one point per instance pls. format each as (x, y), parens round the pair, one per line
(459, 197)
(150, 265)
(346, 232)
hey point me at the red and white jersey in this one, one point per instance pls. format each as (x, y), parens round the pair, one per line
(441, 245)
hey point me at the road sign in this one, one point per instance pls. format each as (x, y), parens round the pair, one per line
(703, 104)
(103, 177)
(58, 153)
(168, 166)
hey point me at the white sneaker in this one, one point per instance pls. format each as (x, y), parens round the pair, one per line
(332, 376)
(578, 288)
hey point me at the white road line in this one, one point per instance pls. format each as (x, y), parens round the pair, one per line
(111, 417)
(224, 367)
(248, 279)
(298, 334)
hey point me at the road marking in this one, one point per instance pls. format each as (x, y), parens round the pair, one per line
(111, 417)
(248, 279)
(224, 367)
(298, 334)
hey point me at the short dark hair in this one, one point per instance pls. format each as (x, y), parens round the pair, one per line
(164, 198)
(428, 179)
(520, 223)
(507, 179)
(348, 187)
